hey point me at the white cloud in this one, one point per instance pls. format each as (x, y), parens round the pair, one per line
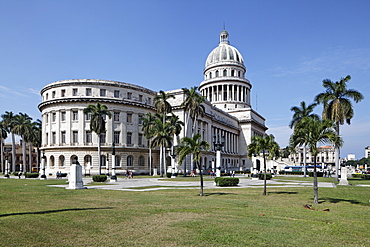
(6, 91)
(34, 91)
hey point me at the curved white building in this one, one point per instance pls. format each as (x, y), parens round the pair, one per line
(66, 129)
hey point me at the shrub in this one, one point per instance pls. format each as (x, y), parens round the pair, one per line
(357, 175)
(32, 175)
(366, 176)
(99, 178)
(319, 174)
(262, 176)
(222, 181)
(63, 175)
(169, 174)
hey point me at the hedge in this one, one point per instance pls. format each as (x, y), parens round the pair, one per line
(99, 178)
(319, 174)
(262, 176)
(32, 175)
(224, 181)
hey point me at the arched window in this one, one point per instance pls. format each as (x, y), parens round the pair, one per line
(61, 160)
(72, 158)
(52, 161)
(87, 161)
(129, 160)
(210, 75)
(224, 72)
(238, 73)
(141, 161)
(103, 159)
(118, 160)
(232, 72)
(216, 73)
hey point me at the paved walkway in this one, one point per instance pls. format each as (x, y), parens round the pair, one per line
(150, 184)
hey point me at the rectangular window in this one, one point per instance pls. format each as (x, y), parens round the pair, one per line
(116, 116)
(74, 92)
(140, 140)
(129, 95)
(63, 93)
(88, 91)
(103, 138)
(129, 138)
(88, 137)
(129, 117)
(74, 115)
(54, 117)
(88, 116)
(53, 138)
(103, 92)
(47, 138)
(149, 101)
(63, 116)
(141, 116)
(116, 93)
(116, 137)
(47, 96)
(63, 137)
(140, 98)
(53, 94)
(75, 136)
(47, 118)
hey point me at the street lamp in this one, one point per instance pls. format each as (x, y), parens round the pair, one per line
(43, 176)
(114, 177)
(218, 143)
(107, 165)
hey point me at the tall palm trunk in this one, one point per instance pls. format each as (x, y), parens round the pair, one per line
(23, 165)
(201, 179)
(264, 174)
(99, 154)
(13, 153)
(160, 161)
(315, 184)
(336, 155)
(30, 156)
(304, 160)
(150, 157)
(2, 156)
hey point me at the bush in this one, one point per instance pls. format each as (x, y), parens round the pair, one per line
(261, 176)
(169, 174)
(222, 181)
(366, 176)
(357, 175)
(63, 175)
(99, 178)
(32, 175)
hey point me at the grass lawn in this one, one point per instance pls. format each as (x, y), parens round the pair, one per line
(33, 214)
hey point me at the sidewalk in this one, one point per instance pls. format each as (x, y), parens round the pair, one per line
(151, 184)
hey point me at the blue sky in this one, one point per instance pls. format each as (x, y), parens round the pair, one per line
(288, 46)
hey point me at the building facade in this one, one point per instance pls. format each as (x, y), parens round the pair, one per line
(228, 113)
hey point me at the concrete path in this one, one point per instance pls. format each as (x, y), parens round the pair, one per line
(150, 184)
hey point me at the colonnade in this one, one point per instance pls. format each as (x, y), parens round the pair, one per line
(227, 92)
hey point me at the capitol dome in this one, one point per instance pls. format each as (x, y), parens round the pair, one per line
(224, 53)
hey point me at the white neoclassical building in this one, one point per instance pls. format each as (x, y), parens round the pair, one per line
(66, 129)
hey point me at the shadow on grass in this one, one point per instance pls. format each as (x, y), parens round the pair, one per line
(336, 200)
(218, 193)
(54, 211)
(283, 192)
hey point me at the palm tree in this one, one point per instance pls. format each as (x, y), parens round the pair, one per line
(148, 130)
(193, 107)
(268, 147)
(97, 123)
(8, 121)
(194, 145)
(311, 132)
(163, 108)
(299, 113)
(3, 136)
(36, 138)
(337, 106)
(162, 138)
(22, 127)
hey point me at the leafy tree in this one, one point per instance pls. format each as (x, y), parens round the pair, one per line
(337, 106)
(194, 145)
(299, 113)
(312, 132)
(268, 147)
(22, 127)
(8, 122)
(97, 123)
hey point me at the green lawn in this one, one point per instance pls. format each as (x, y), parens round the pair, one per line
(32, 214)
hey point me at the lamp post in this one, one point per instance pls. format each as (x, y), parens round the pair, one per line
(173, 156)
(43, 159)
(107, 165)
(114, 177)
(218, 143)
